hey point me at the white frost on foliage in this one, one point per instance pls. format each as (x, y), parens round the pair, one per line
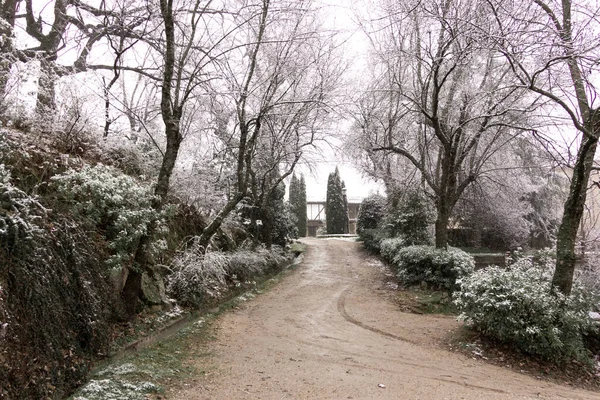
(107, 389)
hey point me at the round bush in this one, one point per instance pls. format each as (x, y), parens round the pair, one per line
(371, 211)
(437, 267)
(516, 306)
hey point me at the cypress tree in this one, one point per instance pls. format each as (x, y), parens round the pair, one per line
(346, 220)
(297, 200)
(301, 213)
(336, 207)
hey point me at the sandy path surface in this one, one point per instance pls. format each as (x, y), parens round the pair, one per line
(328, 331)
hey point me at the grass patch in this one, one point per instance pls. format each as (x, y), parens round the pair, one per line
(138, 374)
(422, 301)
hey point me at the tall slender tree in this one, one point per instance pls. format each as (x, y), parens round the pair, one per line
(336, 209)
(302, 217)
(297, 200)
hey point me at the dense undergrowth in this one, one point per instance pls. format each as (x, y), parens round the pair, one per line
(69, 228)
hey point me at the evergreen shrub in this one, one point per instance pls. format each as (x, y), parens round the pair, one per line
(389, 248)
(115, 203)
(370, 213)
(372, 239)
(516, 306)
(56, 297)
(439, 268)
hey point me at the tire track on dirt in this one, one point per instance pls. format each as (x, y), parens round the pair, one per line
(341, 306)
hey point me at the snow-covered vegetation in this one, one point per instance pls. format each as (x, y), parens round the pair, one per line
(70, 230)
(198, 278)
(439, 268)
(513, 304)
(516, 305)
(145, 142)
(118, 204)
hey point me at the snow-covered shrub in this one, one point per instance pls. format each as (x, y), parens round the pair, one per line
(133, 159)
(247, 264)
(410, 214)
(116, 203)
(19, 212)
(589, 275)
(370, 212)
(197, 278)
(390, 247)
(372, 238)
(516, 306)
(437, 267)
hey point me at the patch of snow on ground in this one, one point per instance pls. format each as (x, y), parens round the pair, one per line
(344, 238)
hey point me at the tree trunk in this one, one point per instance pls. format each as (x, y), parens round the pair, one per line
(267, 228)
(441, 230)
(132, 291)
(573, 211)
(215, 224)
(168, 162)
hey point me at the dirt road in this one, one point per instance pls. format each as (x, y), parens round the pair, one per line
(329, 332)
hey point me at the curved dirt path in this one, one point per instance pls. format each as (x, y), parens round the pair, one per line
(327, 331)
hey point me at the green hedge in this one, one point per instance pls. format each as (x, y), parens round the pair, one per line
(440, 269)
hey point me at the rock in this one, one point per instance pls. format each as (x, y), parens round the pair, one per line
(118, 277)
(153, 290)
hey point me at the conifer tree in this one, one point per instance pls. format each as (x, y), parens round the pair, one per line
(297, 200)
(336, 207)
(301, 210)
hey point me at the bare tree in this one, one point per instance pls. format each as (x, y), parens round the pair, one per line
(183, 57)
(53, 40)
(449, 101)
(279, 88)
(554, 51)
